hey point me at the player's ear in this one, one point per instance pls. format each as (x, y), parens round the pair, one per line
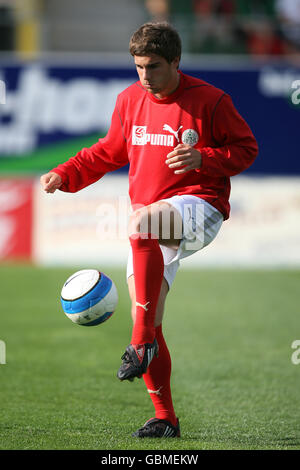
(175, 62)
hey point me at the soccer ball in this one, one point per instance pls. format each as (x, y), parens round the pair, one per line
(89, 297)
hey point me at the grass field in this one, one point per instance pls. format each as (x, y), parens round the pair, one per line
(229, 333)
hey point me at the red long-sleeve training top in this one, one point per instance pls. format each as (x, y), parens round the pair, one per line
(145, 129)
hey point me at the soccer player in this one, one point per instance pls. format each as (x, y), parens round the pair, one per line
(183, 140)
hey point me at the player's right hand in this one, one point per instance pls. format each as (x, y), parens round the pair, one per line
(51, 182)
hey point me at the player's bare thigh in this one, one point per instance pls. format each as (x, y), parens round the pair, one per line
(161, 300)
(160, 219)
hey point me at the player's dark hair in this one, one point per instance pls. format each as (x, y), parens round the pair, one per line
(156, 38)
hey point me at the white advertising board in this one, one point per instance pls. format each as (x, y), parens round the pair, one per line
(90, 227)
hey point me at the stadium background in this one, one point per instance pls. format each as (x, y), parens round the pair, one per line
(63, 62)
(63, 66)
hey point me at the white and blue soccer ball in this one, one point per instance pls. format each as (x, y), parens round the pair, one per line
(89, 297)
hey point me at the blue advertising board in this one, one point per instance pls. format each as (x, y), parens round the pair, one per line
(262, 95)
(49, 102)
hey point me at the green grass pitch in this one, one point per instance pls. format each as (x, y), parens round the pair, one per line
(229, 333)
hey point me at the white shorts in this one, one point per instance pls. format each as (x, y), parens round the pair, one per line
(201, 223)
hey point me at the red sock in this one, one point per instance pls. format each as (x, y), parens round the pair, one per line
(148, 269)
(157, 380)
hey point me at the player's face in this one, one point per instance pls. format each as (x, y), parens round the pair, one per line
(156, 75)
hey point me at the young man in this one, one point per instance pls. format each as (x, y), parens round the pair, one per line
(183, 139)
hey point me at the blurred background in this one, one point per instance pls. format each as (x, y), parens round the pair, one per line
(62, 64)
(265, 28)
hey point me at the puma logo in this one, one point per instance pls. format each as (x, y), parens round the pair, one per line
(143, 306)
(169, 129)
(156, 392)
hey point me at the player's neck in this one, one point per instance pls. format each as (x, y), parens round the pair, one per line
(172, 87)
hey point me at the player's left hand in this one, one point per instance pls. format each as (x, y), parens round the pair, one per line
(184, 158)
